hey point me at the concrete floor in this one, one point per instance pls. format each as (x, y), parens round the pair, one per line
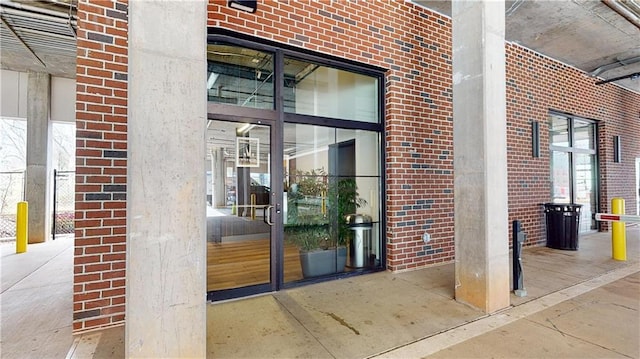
(36, 300)
(579, 304)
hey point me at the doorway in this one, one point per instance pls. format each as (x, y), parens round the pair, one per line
(239, 208)
(294, 147)
(574, 165)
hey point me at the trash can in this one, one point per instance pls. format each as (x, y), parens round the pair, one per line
(563, 221)
(360, 246)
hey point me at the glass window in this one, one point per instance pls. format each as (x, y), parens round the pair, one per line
(573, 165)
(583, 135)
(559, 131)
(239, 76)
(560, 177)
(330, 174)
(317, 210)
(312, 89)
(585, 189)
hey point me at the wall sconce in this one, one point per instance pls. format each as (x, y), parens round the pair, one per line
(535, 139)
(617, 149)
(244, 5)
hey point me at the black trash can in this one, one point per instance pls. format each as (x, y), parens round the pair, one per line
(563, 222)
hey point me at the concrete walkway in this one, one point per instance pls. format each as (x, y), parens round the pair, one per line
(36, 300)
(579, 304)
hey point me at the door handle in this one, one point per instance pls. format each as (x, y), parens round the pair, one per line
(267, 215)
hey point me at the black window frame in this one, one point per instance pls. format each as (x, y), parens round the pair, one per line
(277, 117)
(571, 150)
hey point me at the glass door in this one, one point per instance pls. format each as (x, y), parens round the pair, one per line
(574, 166)
(239, 223)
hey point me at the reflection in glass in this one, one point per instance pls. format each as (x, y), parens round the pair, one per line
(573, 165)
(312, 89)
(560, 177)
(559, 131)
(583, 134)
(330, 174)
(238, 196)
(239, 76)
(585, 189)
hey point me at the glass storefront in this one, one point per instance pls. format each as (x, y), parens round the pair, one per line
(294, 168)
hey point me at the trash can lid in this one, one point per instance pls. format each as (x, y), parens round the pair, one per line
(357, 218)
(562, 207)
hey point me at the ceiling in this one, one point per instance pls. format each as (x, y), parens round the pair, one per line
(599, 37)
(39, 35)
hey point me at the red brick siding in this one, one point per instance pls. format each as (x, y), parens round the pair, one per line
(101, 121)
(415, 45)
(537, 84)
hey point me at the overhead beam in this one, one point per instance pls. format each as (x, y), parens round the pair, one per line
(613, 65)
(22, 41)
(631, 14)
(630, 76)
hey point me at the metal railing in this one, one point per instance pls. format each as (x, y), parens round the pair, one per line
(12, 185)
(63, 202)
(12, 191)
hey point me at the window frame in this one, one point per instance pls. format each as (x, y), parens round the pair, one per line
(571, 150)
(278, 117)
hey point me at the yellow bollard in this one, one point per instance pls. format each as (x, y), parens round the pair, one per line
(618, 235)
(22, 227)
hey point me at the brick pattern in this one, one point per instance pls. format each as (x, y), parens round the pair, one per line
(101, 160)
(414, 44)
(537, 84)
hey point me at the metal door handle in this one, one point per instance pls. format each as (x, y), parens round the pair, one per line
(267, 215)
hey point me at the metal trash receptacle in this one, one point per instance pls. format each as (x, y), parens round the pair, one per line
(360, 246)
(563, 223)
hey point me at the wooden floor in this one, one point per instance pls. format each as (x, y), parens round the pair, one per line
(242, 263)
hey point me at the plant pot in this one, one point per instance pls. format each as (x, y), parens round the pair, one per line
(320, 262)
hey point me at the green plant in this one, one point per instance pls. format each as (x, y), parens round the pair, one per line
(305, 195)
(344, 199)
(308, 236)
(317, 207)
(307, 224)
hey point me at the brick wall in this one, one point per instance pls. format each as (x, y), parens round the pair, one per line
(537, 84)
(415, 45)
(101, 160)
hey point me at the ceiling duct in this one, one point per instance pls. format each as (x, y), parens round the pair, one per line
(632, 76)
(613, 65)
(628, 9)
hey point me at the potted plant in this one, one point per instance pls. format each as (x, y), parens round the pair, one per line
(317, 206)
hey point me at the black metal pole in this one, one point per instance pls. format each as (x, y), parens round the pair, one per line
(55, 205)
(518, 239)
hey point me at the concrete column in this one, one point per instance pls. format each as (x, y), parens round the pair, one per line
(166, 244)
(480, 154)
(38, 176)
